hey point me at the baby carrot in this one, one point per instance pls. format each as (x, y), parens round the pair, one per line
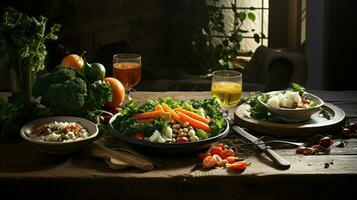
(194, 122)
(172, 112)
(193, 115)
(158, 107)
(151, 114)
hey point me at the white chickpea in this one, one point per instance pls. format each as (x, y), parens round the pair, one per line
(194, 138)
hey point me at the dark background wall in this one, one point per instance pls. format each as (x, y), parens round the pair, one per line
(161, 31)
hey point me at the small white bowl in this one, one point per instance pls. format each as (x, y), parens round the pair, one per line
(294, 115)
(59, 147)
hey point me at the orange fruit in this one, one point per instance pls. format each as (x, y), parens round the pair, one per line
(73, 61)
(118, 92)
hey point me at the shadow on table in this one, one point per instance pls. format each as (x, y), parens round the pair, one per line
(23, 158)
(166, 161)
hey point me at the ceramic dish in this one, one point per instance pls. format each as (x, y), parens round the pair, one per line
(165, 148)
(315, 125)
(59, 147)
(294, 114)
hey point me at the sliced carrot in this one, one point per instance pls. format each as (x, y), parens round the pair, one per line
(151, 114)
(194, 122)
(193, 115)
(158, 107)
(172, 112)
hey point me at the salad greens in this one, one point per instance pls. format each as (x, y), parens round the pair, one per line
(260, 112)
(127, 125)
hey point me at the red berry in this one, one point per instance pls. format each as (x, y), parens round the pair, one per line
(104, 119)
(352, 126)
(346, 133)
(115, 110)
(325, 142)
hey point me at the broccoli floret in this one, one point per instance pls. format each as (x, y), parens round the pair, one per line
(68, 96)
(43, 82)
(63, 74)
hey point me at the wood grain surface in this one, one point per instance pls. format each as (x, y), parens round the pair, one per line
(23, 171)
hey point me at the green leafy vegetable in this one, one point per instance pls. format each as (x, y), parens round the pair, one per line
(80, 96)
(125, 124)
(99, 92)
(17, 111)
(22, 47)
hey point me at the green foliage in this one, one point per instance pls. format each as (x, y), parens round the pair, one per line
(17, 111)
(216, 48)
(66, 91)
(22, 46)
(125, 124)
(99, 92)
(67, 97)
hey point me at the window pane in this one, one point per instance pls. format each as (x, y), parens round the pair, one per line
(265, 42)
(248, 44)
(256, 25)
(249, 3)
(266, 22)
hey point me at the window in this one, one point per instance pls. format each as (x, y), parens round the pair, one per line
(259, 26)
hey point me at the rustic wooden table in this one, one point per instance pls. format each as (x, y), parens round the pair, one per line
(25, 172)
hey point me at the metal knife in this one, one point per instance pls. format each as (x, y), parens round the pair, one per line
(280, 161)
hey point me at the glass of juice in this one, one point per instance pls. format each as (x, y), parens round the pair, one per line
(127, 69)
(227, 87)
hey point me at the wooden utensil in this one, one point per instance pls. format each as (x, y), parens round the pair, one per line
(124, 157)
(111, 162)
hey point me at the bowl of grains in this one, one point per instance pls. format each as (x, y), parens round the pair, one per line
(59, 135)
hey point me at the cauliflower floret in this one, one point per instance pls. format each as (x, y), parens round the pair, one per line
(156, 137)
(274, 102)
(168, 132)
(291, 99)
(53, 137)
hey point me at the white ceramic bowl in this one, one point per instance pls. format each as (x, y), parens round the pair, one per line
(59, 147)
(294, 115)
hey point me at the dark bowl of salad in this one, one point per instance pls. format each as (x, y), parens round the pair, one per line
(167, 125)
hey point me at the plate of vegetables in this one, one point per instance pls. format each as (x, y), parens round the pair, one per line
(291, 106)
(168, 125)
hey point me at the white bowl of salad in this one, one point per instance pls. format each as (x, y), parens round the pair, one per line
(59, 134)
(290, 105)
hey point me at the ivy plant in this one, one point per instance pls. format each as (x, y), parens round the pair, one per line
(214, 46)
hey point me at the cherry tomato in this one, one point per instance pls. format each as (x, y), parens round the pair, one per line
(232, 159)
(219, 145)
(139, 136)
(226, 153)
(209, 162)
(241, 165)
(216, 150)
(202, 156)
(182, 139)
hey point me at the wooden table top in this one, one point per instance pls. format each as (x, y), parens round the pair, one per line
(308, 177)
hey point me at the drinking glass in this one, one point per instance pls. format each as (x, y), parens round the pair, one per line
(227, 87)
(127, 69)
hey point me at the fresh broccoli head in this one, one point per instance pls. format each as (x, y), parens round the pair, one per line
(43, 82)
(68, 96)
